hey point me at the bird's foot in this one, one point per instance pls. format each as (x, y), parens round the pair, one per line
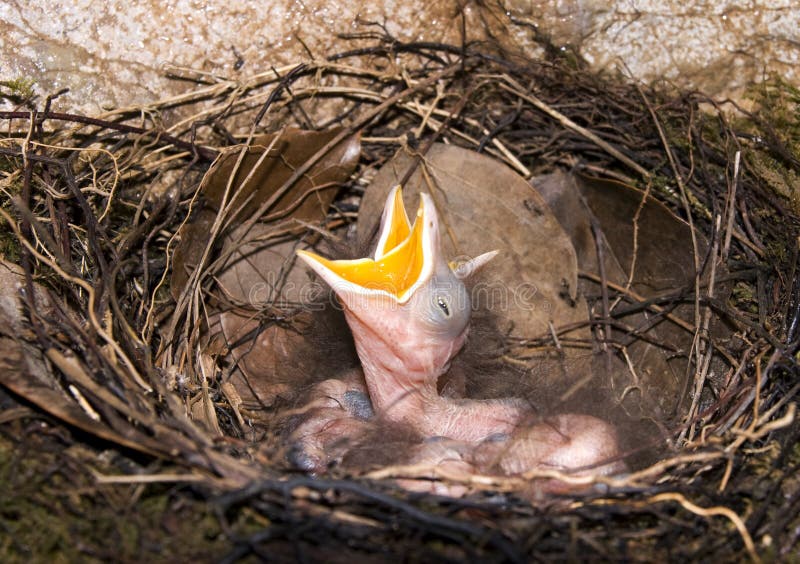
(335, 417)
(574, 445)
(439, 466)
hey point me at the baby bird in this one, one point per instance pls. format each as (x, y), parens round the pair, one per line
(409, 312)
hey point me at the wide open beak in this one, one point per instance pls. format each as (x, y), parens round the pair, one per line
(407, 308)
(404, 259)
(395, 226)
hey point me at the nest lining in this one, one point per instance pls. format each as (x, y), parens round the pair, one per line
(93, 207)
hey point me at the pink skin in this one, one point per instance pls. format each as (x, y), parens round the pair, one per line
(402, 363)
(445, 458)
(580, 444)
(404, 390)
(404, 347)
(401, 366)
(570, 443)
(333, 421)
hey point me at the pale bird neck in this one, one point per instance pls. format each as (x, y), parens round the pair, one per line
(401, 371)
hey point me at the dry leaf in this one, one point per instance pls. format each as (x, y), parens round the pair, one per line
(664, 264)
(258, 280)
(258, 176)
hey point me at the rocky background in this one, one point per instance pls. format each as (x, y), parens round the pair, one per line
(113, 54)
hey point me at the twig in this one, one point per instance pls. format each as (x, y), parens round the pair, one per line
(205, 152)
(515, 88)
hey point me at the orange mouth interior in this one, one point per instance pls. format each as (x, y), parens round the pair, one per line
(396, 271)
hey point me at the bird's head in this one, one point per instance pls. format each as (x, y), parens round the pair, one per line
(407, 307)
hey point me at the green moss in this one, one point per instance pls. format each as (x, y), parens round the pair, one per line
(776, 123)
(778, 102)
(10, 249)
(743, 296)
(20, 88)
(52, 510)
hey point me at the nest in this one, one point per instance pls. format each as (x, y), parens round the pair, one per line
(109, 408)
